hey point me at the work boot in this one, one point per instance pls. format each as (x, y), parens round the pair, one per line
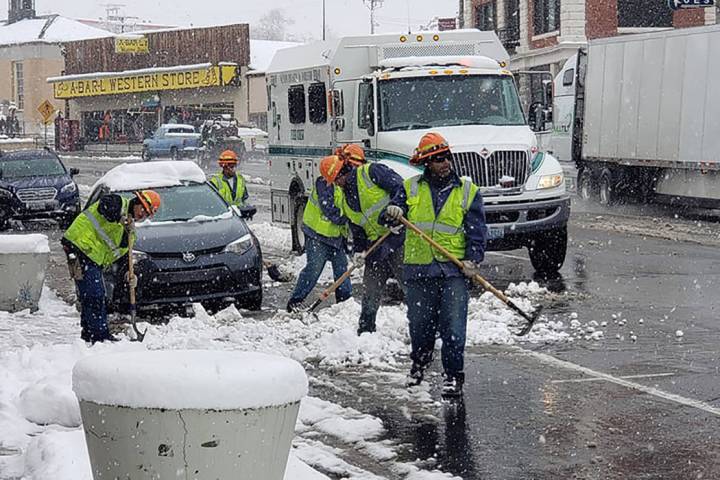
(294, 306)
(416, 375)
(453, 385)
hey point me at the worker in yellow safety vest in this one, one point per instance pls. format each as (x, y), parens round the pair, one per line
(450, 210)
(96, 239)
(230, 183)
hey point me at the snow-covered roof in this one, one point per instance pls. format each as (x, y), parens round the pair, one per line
(190, 379)
(51, 29)
(262, 52)
(136, 176)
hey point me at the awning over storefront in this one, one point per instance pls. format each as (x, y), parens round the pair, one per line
(145, 80)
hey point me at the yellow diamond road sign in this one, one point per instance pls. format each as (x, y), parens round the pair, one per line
(46, 109)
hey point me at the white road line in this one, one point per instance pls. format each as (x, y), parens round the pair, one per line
(549, 359)
(498, 254)
(625, 377)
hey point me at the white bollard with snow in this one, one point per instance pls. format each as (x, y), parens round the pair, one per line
(189, 414)
(23, 260)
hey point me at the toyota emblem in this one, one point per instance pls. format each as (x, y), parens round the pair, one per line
(189, 257)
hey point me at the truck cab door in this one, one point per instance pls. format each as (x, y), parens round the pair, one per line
(564, 106)
(367, 113)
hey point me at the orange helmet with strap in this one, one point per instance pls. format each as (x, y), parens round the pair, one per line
(149, 199)
(353, 154)
(430, 144)
(330, 167)
(228, 157)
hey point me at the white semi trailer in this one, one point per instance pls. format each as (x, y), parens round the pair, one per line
(639, 116)
(385, 92)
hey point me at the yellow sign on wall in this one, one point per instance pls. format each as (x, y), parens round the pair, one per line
(144, 81)
(131, 45)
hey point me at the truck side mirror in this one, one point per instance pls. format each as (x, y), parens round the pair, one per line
(337, 103)
(338, 124)
(74, 171)
(535, 116)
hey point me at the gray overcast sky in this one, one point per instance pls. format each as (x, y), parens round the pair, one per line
(343, 16)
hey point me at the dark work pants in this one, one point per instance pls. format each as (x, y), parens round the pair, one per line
(93, 315)
(438, 304)
(376, 276)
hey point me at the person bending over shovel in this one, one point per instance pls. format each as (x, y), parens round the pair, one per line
(95, 240)
(326, 230)
(450, 210)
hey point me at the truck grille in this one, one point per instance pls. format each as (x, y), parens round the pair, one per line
(487, 172)
(29, 195)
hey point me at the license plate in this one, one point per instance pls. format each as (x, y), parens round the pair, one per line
(40, 205)
(495, 233)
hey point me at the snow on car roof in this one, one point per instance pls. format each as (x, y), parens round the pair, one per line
(190, 379)
(176, 125)
(135, 176)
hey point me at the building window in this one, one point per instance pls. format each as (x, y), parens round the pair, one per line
(18, 85)
(317, 103)
(296, 104)
(546, 16)
(645, 14)
(485, 16)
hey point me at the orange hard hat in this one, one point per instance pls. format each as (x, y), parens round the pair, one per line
(149, 199)
(330, 167)
(430, 144)
(228, 157)
(353, 153)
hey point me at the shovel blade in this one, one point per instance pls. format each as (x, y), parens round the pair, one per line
(529, 322)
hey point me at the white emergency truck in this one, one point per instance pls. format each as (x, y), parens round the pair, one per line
(639, 116)
(386, 91)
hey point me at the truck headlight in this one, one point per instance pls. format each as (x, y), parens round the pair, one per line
(5, 194)
(550, 181)
(241, 245)
(69, 188)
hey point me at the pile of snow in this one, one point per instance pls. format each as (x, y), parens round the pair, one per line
(31, 243)
(54, 320)
(190, 379)
(136, 176)
(257, 181)
(272, 236)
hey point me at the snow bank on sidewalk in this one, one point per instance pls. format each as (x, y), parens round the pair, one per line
(31, 243)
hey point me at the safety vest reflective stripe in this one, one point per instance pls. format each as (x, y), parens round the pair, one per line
(467, 186)
(375, 208)
(438, 227)
(103, 235)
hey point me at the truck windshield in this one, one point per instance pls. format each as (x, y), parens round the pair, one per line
(428, 102)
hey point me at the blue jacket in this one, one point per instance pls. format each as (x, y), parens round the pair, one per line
(387, 179)
(326, 198)
(473, 224)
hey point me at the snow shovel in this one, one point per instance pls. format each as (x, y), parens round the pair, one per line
(140, 336)
(479, 280)
(275, 273)
(329, 291)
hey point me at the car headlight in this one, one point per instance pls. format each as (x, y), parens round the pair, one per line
(6, 194)
(550, 181)
(241, 245)
(139, 256)
(69, 188)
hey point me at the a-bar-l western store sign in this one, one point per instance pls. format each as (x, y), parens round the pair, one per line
(155, 80)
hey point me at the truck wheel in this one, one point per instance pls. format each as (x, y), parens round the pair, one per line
(606, 192)
(585, 187)
(145, 154)
(547, 251)
(298, 237)
(174, 153)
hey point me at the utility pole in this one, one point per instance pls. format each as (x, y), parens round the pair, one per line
(373, 5)
(323, 20)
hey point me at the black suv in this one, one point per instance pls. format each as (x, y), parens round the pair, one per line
(35, 184)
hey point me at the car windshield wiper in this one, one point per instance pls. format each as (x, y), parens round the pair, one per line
(183, 219)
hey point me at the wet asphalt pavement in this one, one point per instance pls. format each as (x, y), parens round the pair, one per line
(641, 403)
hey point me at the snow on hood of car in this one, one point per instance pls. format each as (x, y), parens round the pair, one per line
(136, 176)
(32, 243)
(190, 379)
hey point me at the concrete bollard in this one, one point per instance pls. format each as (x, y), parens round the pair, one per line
(23, 260)
(189, 414)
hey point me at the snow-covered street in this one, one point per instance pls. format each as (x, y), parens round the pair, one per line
(571, 396)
